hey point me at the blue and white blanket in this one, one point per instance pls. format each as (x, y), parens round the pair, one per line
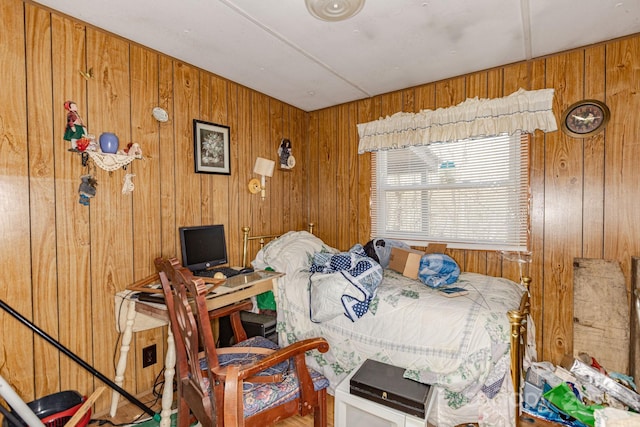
(342, 283)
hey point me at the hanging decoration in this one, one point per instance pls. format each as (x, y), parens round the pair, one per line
(87, 189)
(104, 154)
(285, 155)
(75, 128)
(127, 186)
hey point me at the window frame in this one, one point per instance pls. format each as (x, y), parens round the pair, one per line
(521, 223)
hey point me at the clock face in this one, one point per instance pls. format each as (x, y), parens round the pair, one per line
(585, 118)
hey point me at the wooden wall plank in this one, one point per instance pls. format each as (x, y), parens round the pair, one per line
(166, 159)
(280, 180)
(315, 214)
(536, 216)
(367, 110)
(327, 157)
(342, 177)
(188, 186)
(259, 108)
(41, 141)
(216, 189)
(17, 365)
(351, 173)
(146, 212)
(237, 185)
(622, 150)
(594, 147)
(72, 219)
(298, 191)
(563, 210)
(289, 175)
(111, 214)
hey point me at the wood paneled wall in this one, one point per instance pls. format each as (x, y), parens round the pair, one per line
(584, 192)
(63, 262)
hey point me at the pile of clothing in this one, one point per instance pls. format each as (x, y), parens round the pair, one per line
(580, 393)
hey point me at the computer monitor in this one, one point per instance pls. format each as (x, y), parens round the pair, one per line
(203, 246)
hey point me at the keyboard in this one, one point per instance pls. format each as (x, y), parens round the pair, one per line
(227, 271)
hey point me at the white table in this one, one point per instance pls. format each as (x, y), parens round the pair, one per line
(129, 320)
(355, 411)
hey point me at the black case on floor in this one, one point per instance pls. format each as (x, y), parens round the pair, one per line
(384, 384)
(259, 325)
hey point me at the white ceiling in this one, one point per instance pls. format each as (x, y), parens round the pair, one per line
(276, 47)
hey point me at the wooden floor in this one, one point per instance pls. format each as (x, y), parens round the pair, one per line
(129, 413)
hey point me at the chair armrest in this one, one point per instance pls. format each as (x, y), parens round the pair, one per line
(235, 376)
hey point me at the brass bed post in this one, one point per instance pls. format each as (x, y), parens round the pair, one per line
(245, 244)
(518, 322)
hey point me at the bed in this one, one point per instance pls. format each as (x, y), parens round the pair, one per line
(464, 346)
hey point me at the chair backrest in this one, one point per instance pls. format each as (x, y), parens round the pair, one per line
(185, 300)
(215, 395)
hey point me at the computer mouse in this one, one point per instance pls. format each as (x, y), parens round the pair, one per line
(245, 270)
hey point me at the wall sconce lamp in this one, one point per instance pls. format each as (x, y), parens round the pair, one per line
(264, 168)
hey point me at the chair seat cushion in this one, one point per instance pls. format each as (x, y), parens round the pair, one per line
(260, 396)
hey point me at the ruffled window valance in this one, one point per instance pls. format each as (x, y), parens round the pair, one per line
(523, 111)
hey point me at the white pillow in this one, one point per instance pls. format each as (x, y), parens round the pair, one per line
(290, 252)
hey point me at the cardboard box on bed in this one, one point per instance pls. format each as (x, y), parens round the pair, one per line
(384, 384)
(407, 261)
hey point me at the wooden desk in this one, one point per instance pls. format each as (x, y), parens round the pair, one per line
(235, 289)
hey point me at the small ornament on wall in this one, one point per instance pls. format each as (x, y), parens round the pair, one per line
(87, 189)
(75, 128)
(285, 155)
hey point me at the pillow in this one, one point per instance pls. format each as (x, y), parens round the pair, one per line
(342, 284)
(437, 270)
(290, 252)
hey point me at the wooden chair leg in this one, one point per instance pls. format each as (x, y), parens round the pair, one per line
(320, 412)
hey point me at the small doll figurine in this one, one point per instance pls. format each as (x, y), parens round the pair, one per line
(75, 126)
(284, 153)
(87, 189)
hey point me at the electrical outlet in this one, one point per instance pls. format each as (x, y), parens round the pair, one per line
(149, 356)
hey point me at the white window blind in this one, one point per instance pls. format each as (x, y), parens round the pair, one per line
(470, 194)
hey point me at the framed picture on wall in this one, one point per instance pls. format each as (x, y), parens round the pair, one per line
(211, 148)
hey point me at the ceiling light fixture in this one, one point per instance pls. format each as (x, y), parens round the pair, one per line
(334, 10)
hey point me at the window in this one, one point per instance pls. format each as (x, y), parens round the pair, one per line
(471, 194)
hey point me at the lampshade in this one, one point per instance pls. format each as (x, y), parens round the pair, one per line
(264, 167)
(334, 10)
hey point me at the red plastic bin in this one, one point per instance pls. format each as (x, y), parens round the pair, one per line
(56, 409)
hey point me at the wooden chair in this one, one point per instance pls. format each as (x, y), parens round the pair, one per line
(253, 383)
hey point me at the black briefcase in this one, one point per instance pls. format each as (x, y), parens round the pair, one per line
(384, 384)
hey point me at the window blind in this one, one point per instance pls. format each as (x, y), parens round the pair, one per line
(472, 193)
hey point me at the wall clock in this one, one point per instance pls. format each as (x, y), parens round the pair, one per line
(585, 118)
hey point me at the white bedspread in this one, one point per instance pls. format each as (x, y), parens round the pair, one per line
(460, 344)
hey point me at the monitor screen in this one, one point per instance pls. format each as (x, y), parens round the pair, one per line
(203, 246)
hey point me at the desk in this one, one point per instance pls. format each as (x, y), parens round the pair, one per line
(235, 289)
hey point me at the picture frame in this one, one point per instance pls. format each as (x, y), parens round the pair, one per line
(211, 148)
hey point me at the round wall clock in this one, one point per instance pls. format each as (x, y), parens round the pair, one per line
(585, 118)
